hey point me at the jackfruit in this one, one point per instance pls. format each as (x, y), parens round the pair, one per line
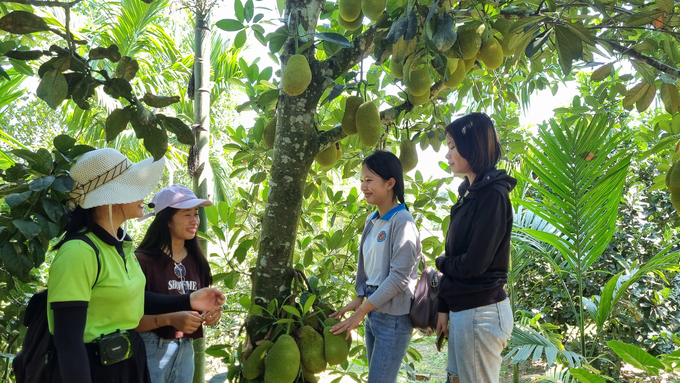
(469, 64)
(309, 377)
(311, 350)
(491, 53)
(326, 307)
(673, 184)
(470, 42)
(269, 133)
(349, 126)
(349, 9)
(368, 123)
(373, 9)
(419, 80)
(418, 100)
(352, 25)
(396, 68)
(327, 157)
(457, 76)
(282, 363)
(408, 155)
(452, 64)
(335, 347)
(254, 365)
(411, 62)
(330, 322)
(297, 76)
(502, 26)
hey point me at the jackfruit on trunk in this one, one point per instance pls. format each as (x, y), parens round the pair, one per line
(282, 363)
(297, 76)
(254, 365)
(311, 350)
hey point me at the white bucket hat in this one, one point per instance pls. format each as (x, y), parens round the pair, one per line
(175, 196)
(106, 177)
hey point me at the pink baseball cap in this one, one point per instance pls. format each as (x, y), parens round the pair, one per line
(175, 196)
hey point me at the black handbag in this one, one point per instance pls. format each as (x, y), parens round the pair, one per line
(424, 312)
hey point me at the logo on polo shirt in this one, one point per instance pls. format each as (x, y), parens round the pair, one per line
(381, 236)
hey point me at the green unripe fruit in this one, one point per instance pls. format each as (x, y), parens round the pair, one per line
(373, 9)
(491, 53)
(368, 123)
(282, 363)
(349, 10)
(254, 366)
(349, 126)
(418, 100)
(352, 25)
(396, 68)
(327, 157)
(408, 155)
(311, 350)
(420, 80)
(269, 133)
(297, 76)
(335, 347)
(470, 42)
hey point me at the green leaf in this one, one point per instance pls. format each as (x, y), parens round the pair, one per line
(63, 143)
(156, 143)
(334, 38)
(181, 130)
(291, 310)
(244, 302)
(53, 209)
(248, 10)
(229, 25)
(238, 10)
(159, 101)
(231, 279)
(15, 259)
(635, 93)
(569, 48)
(602, 72)
(642, 18)
(22, 22)
(14, 200)
(223, 209)
(212, 215)
(281, 6)
(585, 376)
(146, 117)
(29, 229)
(240, 39)
(637, 357)
(118, 87)
(258, 177)
(41, 183)
(63, 184)
(670, 97)
(116, 122)
(645, 101)
(242, 250)
(53, 88)
(665, 5)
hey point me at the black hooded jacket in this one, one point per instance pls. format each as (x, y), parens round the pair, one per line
(477, 249)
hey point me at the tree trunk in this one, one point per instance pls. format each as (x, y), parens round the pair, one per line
(295, 146)
(203, 178)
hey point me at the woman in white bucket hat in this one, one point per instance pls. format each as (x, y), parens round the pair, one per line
(174, 264)
(96, 298)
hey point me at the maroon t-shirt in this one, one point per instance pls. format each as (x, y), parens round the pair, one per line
(160, 278)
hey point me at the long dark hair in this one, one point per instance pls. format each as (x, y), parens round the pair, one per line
(158, 238)
(477, 141)
(78, 219)
(386, 165)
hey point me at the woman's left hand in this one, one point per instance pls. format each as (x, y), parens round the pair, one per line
(212, 317)
(348, 324)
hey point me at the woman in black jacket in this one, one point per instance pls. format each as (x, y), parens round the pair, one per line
(474, 310)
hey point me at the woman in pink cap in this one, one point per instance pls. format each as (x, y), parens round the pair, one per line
(174, 264)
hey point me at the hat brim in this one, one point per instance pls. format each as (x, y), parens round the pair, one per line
(133, 185)
(191, 204)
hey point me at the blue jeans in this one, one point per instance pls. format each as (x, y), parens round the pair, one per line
(169, 360)
(476, 339)
(387, 338)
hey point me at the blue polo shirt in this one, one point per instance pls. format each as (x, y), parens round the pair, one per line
(375, 246)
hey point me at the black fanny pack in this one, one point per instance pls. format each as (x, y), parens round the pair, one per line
(115, 347)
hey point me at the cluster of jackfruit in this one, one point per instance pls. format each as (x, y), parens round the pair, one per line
(308, 352)
(352, 12)
(362, 118)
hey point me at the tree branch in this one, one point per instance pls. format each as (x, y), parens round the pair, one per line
(667, 69)
(389, 115)
(330, 137)
(39, 3)
(344, 59)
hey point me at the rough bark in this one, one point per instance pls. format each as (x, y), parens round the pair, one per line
(203, 178)
(295, 146)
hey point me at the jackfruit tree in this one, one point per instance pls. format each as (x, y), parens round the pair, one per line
(398, 71)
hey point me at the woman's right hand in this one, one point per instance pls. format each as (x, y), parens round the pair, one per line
(443, 324)
(352, 306)
(185, 321)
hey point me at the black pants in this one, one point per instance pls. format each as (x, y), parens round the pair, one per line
(131, 370)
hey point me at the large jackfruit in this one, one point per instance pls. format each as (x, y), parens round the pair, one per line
(335, 347)
(470, 41)
(330, 322)
(327, 157)
(469, 64)
(491, 53)
(349, 126)
(373, 9)
(673, 184)
(349, 10)
(254, 365)
(311, 350)
(408, 155)
(351, 25)
(368, 123)
(269, 133)
(457, 75)
(297, 76)
(419, 80)
(282, 363)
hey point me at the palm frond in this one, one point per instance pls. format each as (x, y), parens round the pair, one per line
(526, 343)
